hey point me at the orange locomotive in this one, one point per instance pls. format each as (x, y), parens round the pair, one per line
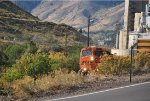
(90, 58)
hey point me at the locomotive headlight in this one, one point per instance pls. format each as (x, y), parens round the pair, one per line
(92, 58)
(84, 69)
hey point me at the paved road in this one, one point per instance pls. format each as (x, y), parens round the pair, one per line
(137, 92)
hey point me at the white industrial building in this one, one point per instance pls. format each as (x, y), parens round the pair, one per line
(140, 35)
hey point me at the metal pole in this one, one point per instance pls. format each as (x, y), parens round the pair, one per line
(88, 31)
(132, 55)
(117, 41)
(131, 66)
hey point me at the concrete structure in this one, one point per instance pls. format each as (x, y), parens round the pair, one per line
(148, 15)
(122, 52)
(131, 7)
(135, 22)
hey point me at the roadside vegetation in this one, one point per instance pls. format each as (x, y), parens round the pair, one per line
(30, 71)
(119, 65)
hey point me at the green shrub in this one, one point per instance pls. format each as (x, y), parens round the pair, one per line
(23, 63)
(70, 63)
(40, 65)
(3, 58)
(14, 52)
(13, 74)
(29, 64)
(74, 50)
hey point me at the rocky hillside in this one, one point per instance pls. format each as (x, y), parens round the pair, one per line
(8, 9)
(18, 26)
(75, 13)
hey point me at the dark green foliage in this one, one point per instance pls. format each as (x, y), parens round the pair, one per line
(11, 52)
(33, 65)
(3, 58)
(14, 52)
(39, 65)
(75, 50)
(70, 63)
(12, 74)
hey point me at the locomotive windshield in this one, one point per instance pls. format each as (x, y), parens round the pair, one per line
(98, 53)
(89, 52)
(86, 52)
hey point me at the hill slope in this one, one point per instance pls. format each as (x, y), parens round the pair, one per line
(76, 12)
(8, 9)
(16, 25)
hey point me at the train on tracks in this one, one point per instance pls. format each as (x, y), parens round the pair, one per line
(90, 58)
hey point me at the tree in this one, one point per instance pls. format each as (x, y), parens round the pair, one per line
(3, 60)
(40, 65)
(14, 52)
(33, 65)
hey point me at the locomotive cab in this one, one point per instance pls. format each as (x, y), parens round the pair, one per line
(90, 58)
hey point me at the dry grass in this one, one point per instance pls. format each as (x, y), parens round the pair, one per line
(58, 80)
(18, 86)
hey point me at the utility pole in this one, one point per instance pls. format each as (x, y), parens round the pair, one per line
(65, 45)
(80, 32)
(88, 43)
(132, 55)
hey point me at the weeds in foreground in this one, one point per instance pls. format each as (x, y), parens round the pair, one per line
(60, 79)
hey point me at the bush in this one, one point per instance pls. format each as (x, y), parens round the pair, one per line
(70, 63)
(142, 61)
(29, 64)
(61, 80)
(116, 65)
(56, 58)
(14, 52)
(74, 50)
(3, 58)
(12, 74)
(40, 65)
(23, 63)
